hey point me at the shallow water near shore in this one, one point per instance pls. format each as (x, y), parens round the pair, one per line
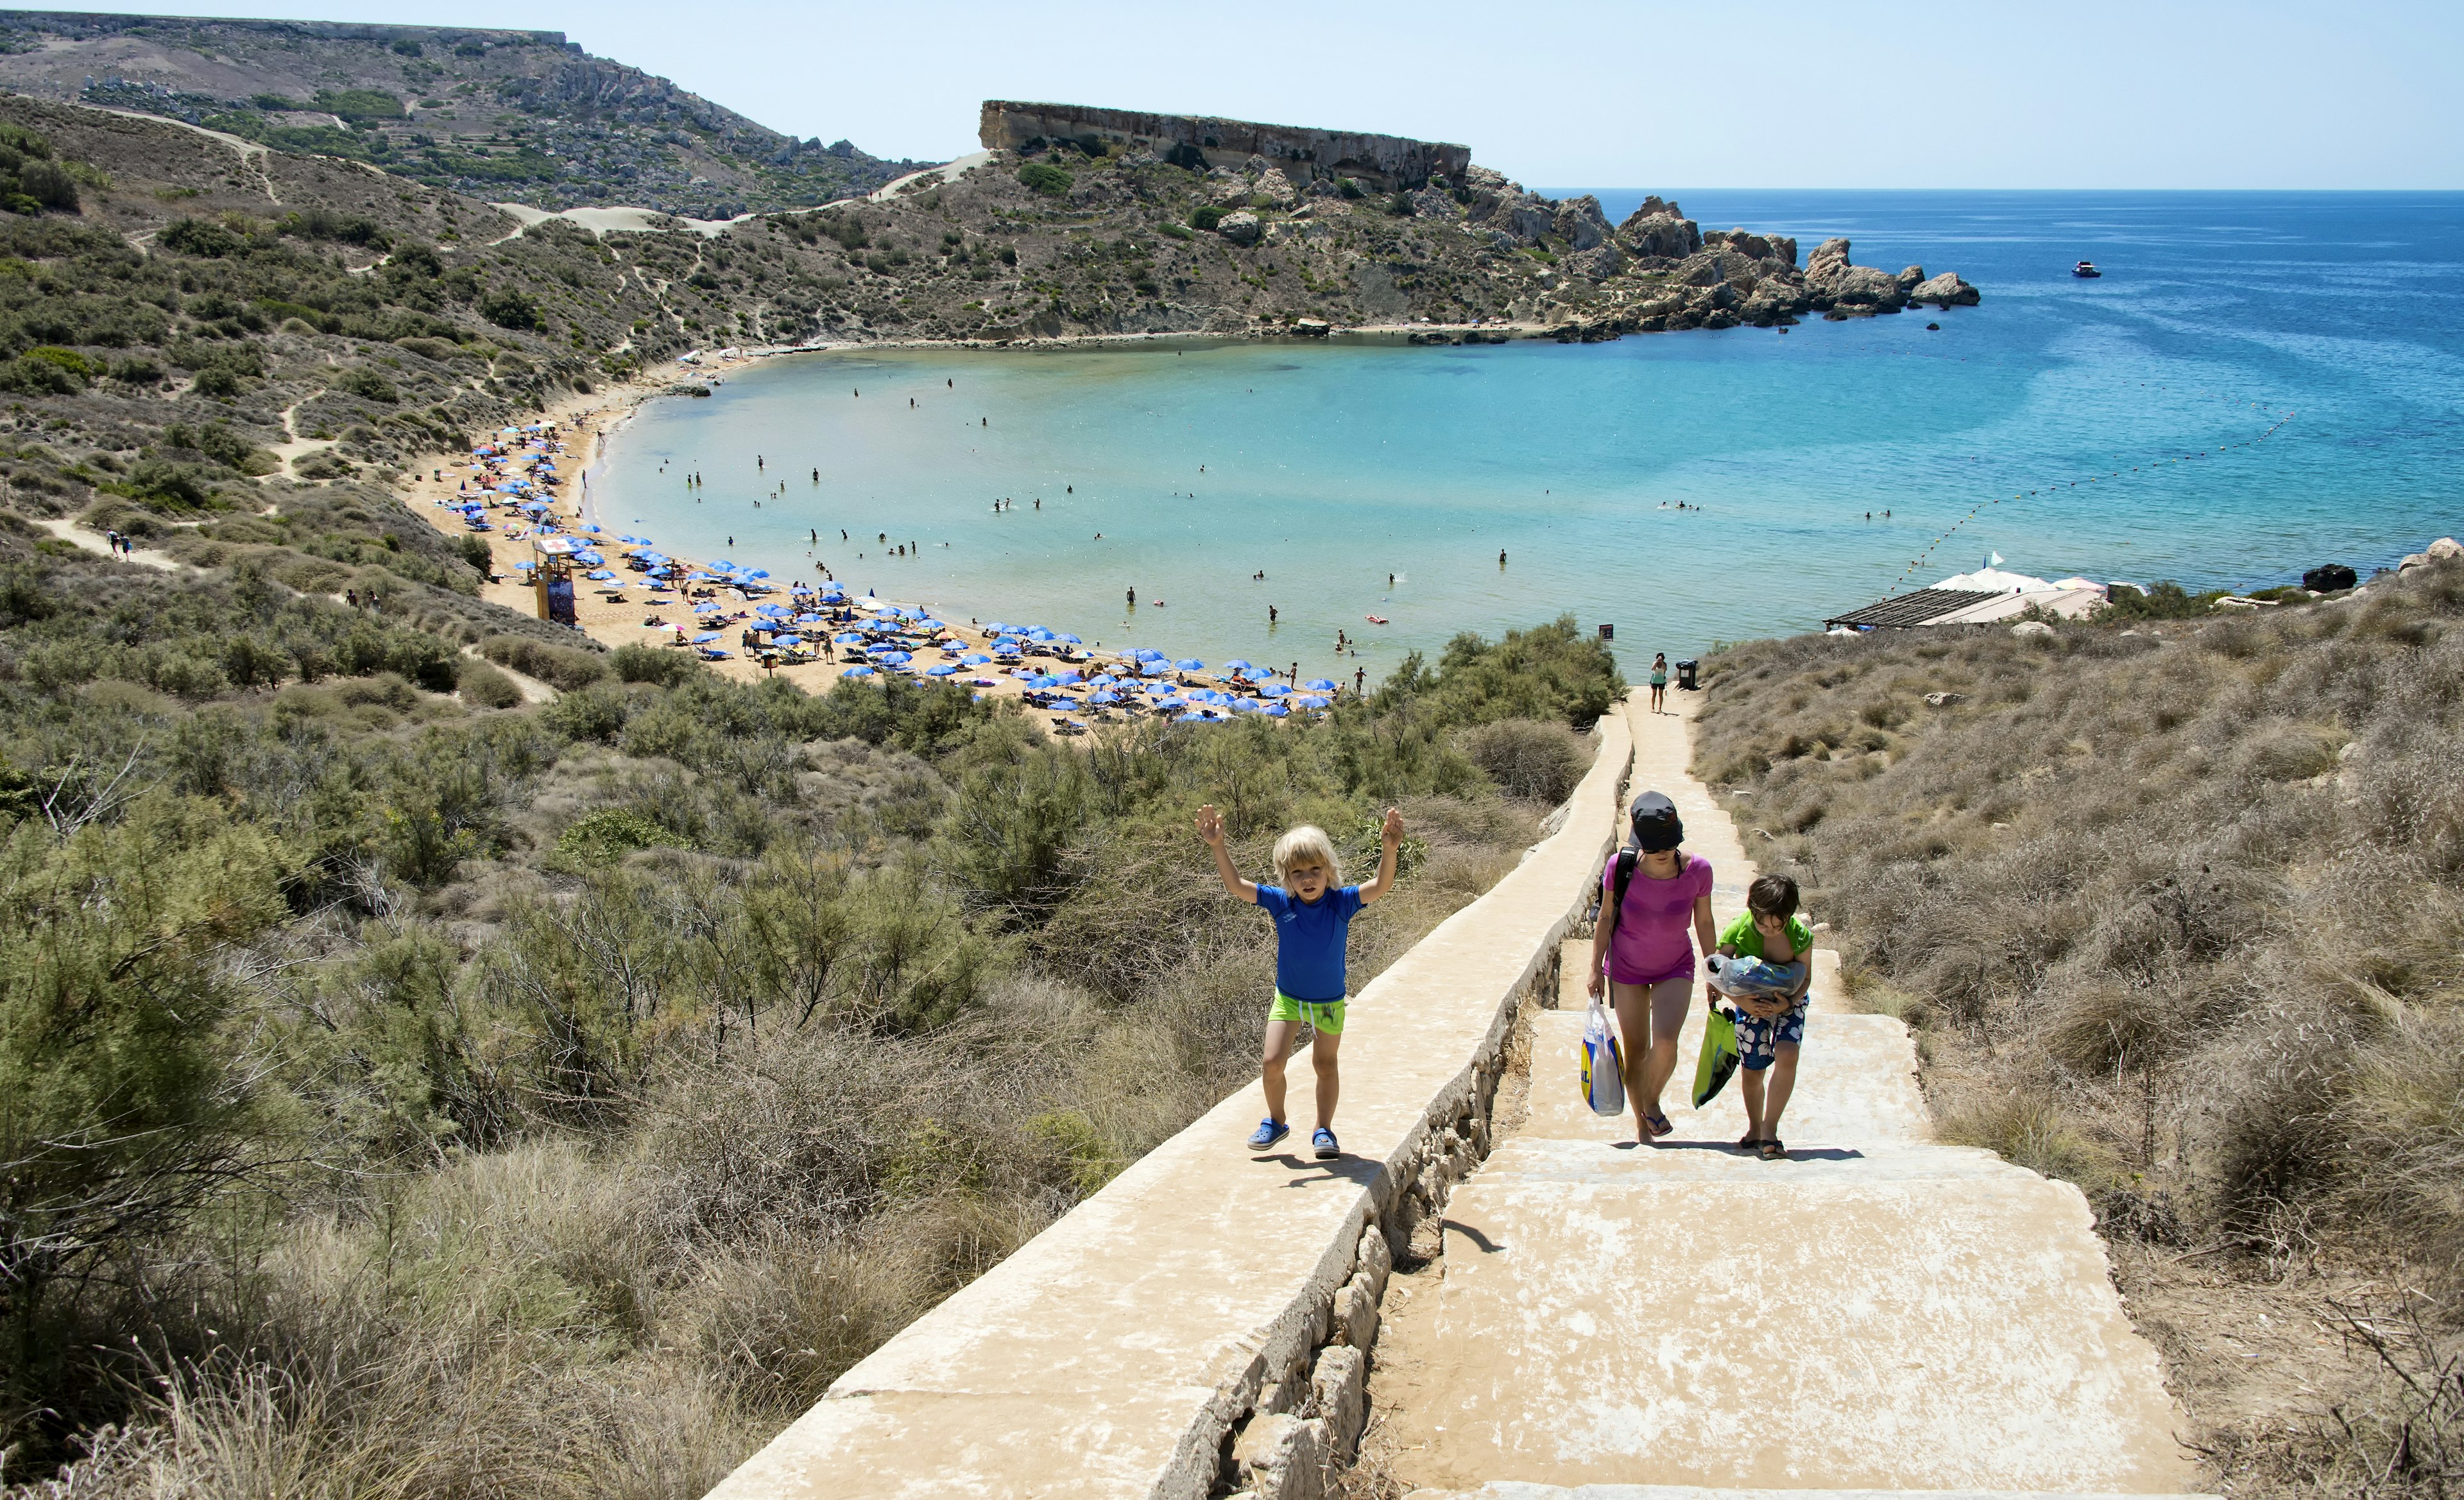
(1183, 469)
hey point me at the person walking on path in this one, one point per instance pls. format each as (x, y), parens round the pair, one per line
(1312, 920)
(1651, 894)
(1658, 680)
(1770, 1028)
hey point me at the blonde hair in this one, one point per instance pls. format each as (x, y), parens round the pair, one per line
(1306, 844)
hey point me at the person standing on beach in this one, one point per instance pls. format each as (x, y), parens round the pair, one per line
(1658, 680)
(1650, 895)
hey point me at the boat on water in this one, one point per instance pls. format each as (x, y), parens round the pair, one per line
(2086, 271)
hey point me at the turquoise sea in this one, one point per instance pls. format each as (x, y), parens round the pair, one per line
(1182, 470)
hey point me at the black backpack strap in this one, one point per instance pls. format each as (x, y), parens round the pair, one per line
(1626, 858)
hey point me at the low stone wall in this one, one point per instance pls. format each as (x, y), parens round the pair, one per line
(1208, 1317)
(1201, 141)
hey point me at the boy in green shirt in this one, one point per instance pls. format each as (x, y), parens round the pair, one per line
(1770, 1028)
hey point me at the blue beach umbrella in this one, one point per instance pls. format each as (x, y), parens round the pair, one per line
(791, 640)
(1237, 664)
(1310, 701)
(857, 671)
(1190, 664)
(1319, 685)
(975, 660)
(705, 637)
(850, 638)
(894, 658)
(1103, 696)
(602, 574)
(945, 670)
(1072, 639)
(1275, 690)
(1153, 669)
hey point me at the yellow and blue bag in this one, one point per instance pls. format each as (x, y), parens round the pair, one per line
(1605, 1064)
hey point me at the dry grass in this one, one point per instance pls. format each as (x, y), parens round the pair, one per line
(2177, 910)
(630, 1312)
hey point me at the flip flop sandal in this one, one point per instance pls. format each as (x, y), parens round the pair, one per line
(1655, 1125)
(1773, 1150)
(1748, 1141)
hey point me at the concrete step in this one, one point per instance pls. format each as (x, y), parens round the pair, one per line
(1857, 1083)
(1890, 1318)
(1521, 1491)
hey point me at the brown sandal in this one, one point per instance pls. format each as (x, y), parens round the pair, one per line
(1773, 1150)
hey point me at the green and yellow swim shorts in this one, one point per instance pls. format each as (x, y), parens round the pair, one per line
(1326, 1015)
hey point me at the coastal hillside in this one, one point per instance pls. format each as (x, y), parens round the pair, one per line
(2177, 909)
(509, 115)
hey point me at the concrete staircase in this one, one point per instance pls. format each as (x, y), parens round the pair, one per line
(1877, 1314)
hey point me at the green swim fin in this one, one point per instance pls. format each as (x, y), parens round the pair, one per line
(1720, 1055)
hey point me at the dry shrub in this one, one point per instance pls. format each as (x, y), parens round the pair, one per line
(1530, 758)
(2182, 904)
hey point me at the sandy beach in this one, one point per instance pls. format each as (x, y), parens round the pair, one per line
(582, 425)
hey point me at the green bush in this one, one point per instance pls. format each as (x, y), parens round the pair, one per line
(369, 385)
(597, 840)
(1170, 231)
(1045, 178)
(1206, 218)
(656, 664)
(29, 375)
(2163, 600)
(482, 684)
(510, 307)
(358, 104)
(565, 668)
(202, 237)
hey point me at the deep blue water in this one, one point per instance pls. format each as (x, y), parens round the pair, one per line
(1331, 467)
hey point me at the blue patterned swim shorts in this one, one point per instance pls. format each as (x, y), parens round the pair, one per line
(1756, 1039)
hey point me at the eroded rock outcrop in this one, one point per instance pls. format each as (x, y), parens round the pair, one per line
(1945, 290)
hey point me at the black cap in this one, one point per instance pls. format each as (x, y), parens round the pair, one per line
(1655, 824)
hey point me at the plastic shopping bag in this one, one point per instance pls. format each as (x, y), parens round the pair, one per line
(1604, 1064)
(1719, 1059)
(1758, 978)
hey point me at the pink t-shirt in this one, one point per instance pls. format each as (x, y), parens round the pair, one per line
(1654, 938)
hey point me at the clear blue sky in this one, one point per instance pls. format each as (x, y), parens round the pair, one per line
(2368, 94)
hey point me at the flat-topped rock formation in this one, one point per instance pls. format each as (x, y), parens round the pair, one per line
(1199, 141)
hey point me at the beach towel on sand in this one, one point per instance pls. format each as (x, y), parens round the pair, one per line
(1604, 1064)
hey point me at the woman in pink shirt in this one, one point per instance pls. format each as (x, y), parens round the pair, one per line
(1639, 948)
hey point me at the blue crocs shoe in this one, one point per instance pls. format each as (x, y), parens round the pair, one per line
(1323, 1143)
(1268, 1133)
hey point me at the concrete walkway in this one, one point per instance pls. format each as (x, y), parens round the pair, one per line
(1209, 1292)
(1876, 1313)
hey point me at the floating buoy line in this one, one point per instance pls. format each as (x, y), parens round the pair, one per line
(1918, 562)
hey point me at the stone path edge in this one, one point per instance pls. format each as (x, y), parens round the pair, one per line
(1060, 1407)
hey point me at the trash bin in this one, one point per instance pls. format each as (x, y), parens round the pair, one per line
(1686, 674)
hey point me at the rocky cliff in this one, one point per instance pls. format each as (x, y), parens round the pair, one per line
(510, 116)
(1199, 141)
